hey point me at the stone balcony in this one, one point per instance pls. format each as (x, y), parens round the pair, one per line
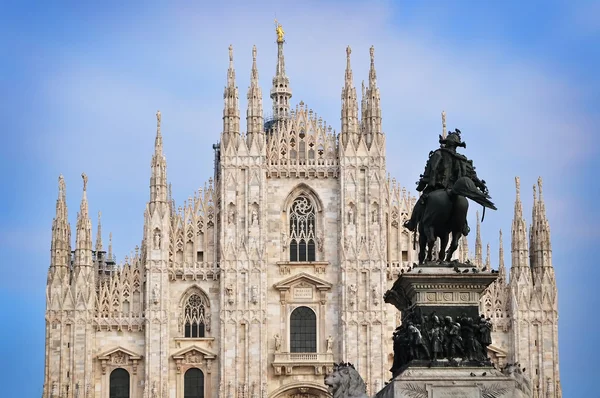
(285, 362)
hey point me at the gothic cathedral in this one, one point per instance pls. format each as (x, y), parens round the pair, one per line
(274, 271)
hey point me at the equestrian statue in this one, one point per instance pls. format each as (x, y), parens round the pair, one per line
(449, 179)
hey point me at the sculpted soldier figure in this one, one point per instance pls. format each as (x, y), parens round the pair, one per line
(444, 167)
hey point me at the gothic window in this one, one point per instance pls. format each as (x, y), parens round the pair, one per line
(193, 384)
(195, 316)
(119, 383)
(302, 230)
(303, 330)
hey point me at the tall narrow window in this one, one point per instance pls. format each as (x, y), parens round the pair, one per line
(194, 316)
(302, 230)
(303, 330)
(119, 383)
(193, 384)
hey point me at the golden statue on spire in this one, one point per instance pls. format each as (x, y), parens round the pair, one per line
(279, 31)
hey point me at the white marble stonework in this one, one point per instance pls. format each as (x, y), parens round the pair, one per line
(222, 259)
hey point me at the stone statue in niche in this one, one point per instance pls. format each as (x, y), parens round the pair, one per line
(320, 243)
(254, 218)
(230, 217)
(254, 294)
(277, 343)
(352, 290)
(350, 216)
(374, 218)
(155, 294)
(157, 239)
(229, 292)
(375, 294)
(329, 344)
(284, 241)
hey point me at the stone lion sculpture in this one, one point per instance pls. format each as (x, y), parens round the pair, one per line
(345, 382)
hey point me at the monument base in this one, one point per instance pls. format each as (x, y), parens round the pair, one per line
(451, 382)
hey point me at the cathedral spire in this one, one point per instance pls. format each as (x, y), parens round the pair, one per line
(443, 124)
(109, 254)
(281, 93)
(372, 115)
(478, 244)
(231, 111)
(83, 240)
(254, 115)
(349, 104)
(99, 234)
(540, 245)
(501, 267)
(61, 230)
(488, 262)
(519, 249)
(158, 178)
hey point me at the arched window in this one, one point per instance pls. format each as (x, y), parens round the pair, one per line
(119, 383)
(303, 330)
(193, 384)
(194, 317)
(302, 230)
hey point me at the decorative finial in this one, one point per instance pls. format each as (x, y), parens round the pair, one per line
(158, 119)
(85, 180)
(372, 52)
(348, 51)
(540, 183)
(518, 185)
(534, 193)
(279, 31)
(61, 186)
(254, 53)
(231, 53)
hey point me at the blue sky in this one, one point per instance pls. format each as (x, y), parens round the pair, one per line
(81, 84)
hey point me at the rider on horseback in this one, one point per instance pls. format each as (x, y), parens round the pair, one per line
(444, 167)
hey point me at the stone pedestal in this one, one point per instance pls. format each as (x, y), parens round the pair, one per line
(440, 348)
(449, 382)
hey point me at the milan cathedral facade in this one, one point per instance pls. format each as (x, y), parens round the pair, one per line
(258, 283)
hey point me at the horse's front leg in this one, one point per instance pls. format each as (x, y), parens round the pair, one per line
(430, 243)
(453, 245)
(422, 247)
(443, 244)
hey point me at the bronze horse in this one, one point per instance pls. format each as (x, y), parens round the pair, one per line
(445, 213)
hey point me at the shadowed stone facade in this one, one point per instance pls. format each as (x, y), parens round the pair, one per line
(299, 226)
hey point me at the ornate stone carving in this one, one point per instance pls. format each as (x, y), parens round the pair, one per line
(277, 339)
(229, 291)
(329, 342)
(254, 294)
(352, 290)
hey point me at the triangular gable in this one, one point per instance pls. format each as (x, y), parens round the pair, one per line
(319, 283)
(130, 354)
(182, 353)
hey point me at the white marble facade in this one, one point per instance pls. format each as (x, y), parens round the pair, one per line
(223, 262)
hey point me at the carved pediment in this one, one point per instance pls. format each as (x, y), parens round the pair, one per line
(305, 280)
(119, 357)
(194, 355)
(193, 352)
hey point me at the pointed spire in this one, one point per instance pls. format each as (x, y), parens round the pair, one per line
(99, 235)
(443, 124)
(158, 178)
(158, 140)
(349, 104)
(501, 267)
(281, 93)
(61, 230)
(110, 248)
(372, 114)
(231, 111)
(519, 249)
(540, 245)
(372, 72)
(478, 244)
(488, 262)
(254, 114)
(83, 240)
